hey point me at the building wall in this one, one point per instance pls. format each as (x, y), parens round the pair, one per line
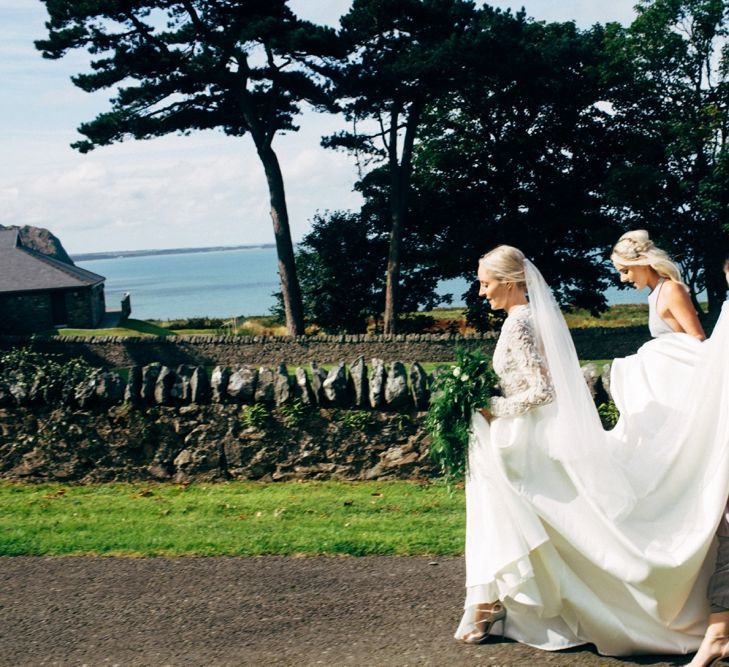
(78, 306)
(85, 307)
(99, 303)
(26, 313)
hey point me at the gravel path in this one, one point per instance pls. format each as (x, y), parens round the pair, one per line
(249, 611)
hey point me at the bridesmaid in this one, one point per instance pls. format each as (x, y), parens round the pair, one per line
(642, 264)
(650, 385)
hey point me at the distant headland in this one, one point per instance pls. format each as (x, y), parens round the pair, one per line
(113, 254)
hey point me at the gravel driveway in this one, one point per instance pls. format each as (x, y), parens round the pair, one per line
(249, 611)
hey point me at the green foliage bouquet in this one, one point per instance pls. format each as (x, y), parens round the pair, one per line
(455, 395)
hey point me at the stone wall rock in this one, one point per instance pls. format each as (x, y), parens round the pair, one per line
(304, 391)
(360, 383)
(390, 387)
(206, 443)
(419, 386)
(397, 395)
(377, 383)
(336, 387)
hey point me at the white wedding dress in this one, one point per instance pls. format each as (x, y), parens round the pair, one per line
(589, 536)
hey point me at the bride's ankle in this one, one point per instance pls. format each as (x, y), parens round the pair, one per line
(486, 610)
(712, 647)
(718, 638)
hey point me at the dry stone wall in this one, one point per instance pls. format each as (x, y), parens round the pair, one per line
(241, 423)
(172, 351)
(208, 443)
(216, 408)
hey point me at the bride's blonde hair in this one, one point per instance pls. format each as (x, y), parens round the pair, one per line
(636, 249)
(506, 264)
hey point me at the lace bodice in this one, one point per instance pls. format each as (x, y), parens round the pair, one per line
(519, 363)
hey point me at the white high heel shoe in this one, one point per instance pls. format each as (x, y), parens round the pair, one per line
(496, 614)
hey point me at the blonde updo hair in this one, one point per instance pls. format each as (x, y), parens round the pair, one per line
(506, 264)
(636, 249)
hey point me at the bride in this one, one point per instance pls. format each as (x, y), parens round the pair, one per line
(575, 535)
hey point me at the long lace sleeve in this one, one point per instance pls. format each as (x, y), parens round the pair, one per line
(523, 374)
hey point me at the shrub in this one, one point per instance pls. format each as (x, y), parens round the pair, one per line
(44, 375)
(608, 414)
(294, 413)
(415, 323)
(357, 419)
(193, 323)
(254, 416)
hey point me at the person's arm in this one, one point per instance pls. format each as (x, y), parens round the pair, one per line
(678, 305)
(530, 362)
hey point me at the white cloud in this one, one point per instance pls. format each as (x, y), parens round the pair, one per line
(584, 12)
(206, 189)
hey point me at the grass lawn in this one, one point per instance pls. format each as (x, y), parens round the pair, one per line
(234, 518)
(622, 315)
(152, 328)
(131, 328)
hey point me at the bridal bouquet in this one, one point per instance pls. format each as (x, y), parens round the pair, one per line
(455, 395)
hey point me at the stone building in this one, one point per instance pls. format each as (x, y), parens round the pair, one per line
(39, 292)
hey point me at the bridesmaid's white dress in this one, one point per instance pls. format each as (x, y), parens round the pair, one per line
(546, 541)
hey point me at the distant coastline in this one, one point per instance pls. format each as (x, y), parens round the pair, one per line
(113, 254)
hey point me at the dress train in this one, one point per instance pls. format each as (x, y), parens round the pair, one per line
(543, 540)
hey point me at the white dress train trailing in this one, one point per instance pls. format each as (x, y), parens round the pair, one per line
(589, 536)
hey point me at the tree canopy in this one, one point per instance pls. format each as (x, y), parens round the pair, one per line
(668, 76)
(179, 66)
(472, 127)
(402, 55)
(517, 155)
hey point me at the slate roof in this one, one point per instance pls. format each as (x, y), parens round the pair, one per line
(25, 270)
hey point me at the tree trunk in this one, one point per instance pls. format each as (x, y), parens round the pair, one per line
(714, 276)
(290, 290)
(393, 257)
(399, 191)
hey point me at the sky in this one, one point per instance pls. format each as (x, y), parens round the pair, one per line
(201, 190)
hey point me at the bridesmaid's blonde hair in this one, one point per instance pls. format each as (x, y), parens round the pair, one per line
(636, 249)
(506, 264)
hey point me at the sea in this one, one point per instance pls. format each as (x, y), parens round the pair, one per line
(222, 283)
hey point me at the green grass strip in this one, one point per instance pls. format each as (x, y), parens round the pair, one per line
(231, 519)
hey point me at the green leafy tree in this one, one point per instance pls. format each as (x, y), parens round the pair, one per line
(403, 54)
(669, 88)
(338, 265)
(181, 65)
(518, 155)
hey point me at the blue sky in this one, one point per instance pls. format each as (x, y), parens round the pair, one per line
(203, 190)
